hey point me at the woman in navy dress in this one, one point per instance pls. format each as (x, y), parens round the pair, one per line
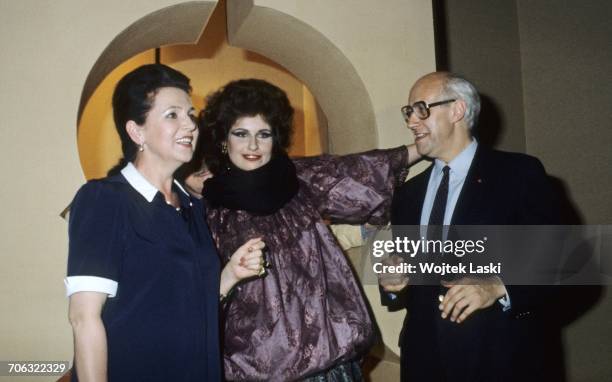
(144, 279)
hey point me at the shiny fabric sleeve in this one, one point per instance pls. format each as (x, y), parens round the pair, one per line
(355, 188)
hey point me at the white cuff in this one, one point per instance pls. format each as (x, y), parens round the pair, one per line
(505, 301)
(90, 284)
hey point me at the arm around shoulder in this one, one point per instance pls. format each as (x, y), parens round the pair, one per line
(354, 188)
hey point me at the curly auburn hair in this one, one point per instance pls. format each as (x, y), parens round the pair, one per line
(243, 98)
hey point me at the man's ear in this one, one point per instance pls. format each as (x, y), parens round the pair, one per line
(135, 132)
(458, 109)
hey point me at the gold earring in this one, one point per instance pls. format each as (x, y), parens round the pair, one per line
(224, 148)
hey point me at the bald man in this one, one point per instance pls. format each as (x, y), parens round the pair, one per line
(466, 329)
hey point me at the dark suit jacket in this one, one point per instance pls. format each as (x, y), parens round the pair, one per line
(500, 189)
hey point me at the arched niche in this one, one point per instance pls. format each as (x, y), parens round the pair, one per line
(177, 24)
(330, 76)
(313, 58)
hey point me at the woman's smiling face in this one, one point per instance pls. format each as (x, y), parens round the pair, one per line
(250, 143)
(169, 132)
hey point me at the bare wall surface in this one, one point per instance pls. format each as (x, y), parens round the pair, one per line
(483, 45)
(390, 45)
(567, 64)
(49, 49)
(567, 61)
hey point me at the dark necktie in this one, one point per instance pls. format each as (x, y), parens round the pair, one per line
(439, 206)
(436, 221)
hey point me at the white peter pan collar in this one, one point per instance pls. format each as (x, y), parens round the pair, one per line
(141, 184)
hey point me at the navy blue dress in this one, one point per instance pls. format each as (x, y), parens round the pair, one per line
(162, 325)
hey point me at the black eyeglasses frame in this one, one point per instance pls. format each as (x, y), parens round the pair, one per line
(409, 109)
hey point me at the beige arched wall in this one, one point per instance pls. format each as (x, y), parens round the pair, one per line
(186, 20)
(48, 52)
(388, 45)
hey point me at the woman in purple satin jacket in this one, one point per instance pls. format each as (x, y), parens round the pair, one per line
(307, 318)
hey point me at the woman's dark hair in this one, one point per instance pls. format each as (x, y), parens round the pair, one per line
(133, 98)
(244, 98)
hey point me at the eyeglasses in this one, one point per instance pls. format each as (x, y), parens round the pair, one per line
(421, 108)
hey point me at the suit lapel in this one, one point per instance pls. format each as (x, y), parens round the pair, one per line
(467, 209)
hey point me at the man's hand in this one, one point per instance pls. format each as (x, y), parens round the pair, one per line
(392, 282)
(467, 295)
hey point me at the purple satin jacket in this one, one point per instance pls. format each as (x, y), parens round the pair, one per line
(308, 313)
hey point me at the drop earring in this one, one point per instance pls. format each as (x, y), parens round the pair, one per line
(141, 147)
(224, 152)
